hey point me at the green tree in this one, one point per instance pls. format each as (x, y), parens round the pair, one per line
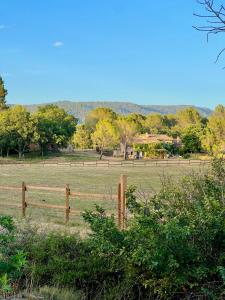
(82, 137)
(139, 120)
(5, 132)
(187, 117)
(170, 120)
(98, 114)
(184, 119)
(21, 128)
(55, 127)
(191, 139)
(3, 93)
(155, 123)
(214, 138)
(127, 130)
(105, 136)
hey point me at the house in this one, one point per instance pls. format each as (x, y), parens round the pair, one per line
(150, 146)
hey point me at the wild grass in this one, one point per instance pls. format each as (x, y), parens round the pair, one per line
(81, 179)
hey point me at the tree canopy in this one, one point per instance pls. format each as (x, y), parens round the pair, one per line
(214, 137)
(82, 137)
(127, 130)
(105, 136)
(18, 129)
(3, 93)
(98, 114)
(54, 126)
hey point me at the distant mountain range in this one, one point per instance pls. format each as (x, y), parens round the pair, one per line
(81, 109)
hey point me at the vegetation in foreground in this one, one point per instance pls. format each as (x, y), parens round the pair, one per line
(173, 248)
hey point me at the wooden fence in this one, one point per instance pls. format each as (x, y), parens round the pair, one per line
(112, 163)
(68, 197)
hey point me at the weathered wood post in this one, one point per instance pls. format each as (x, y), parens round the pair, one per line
(67, 203)
(123, 183)
(24, 204)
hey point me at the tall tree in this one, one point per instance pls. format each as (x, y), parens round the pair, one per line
(82, 137)
(3, 93)
(98, 114)
(139, 120)
(214, 138)
(191, 139)
(155, 123)
(5, 132)
(184, 119)
(127, 130)
(21, 128)
(55, 127)
(105, 136)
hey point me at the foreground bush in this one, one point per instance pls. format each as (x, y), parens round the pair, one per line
(11, 259)
(173, 247)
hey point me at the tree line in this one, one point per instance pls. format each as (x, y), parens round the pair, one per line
(106, 129)
(51, 128)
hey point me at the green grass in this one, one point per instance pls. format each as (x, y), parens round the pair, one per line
(81, 179)
(35, 157)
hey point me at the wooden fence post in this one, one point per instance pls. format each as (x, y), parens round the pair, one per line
(24, 204)
(123, 183)
(67, 203)
(119, 207)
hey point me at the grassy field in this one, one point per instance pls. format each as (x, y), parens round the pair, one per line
(88, 179)
(35, 157)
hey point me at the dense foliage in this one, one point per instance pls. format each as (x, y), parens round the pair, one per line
(12, 260)
(55, 127)
(50, 128)
(3, 93)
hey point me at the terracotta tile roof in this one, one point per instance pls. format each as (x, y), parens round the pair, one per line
(153, 138)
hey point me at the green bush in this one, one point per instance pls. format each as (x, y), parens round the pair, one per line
(12, 260)
(174, 245)
(65, 261)
(55, 259)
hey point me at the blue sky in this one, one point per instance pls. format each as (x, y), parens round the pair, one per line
(142, 51)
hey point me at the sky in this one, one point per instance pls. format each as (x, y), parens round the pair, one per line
(141, 51)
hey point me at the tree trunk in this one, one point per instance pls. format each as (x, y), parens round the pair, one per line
(125, 151)
(20, 152)
(7, 152)
(101, 153)
(42, 151)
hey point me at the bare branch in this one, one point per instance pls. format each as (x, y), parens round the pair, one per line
(218, 56)
(215, 26)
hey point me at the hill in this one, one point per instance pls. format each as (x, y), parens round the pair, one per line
(80, 109)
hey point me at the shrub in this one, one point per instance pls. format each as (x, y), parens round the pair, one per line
(174, 245)
(54, 259)
(11, 259)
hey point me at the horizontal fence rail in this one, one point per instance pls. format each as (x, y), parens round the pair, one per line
(69, 196)
(111, 163)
